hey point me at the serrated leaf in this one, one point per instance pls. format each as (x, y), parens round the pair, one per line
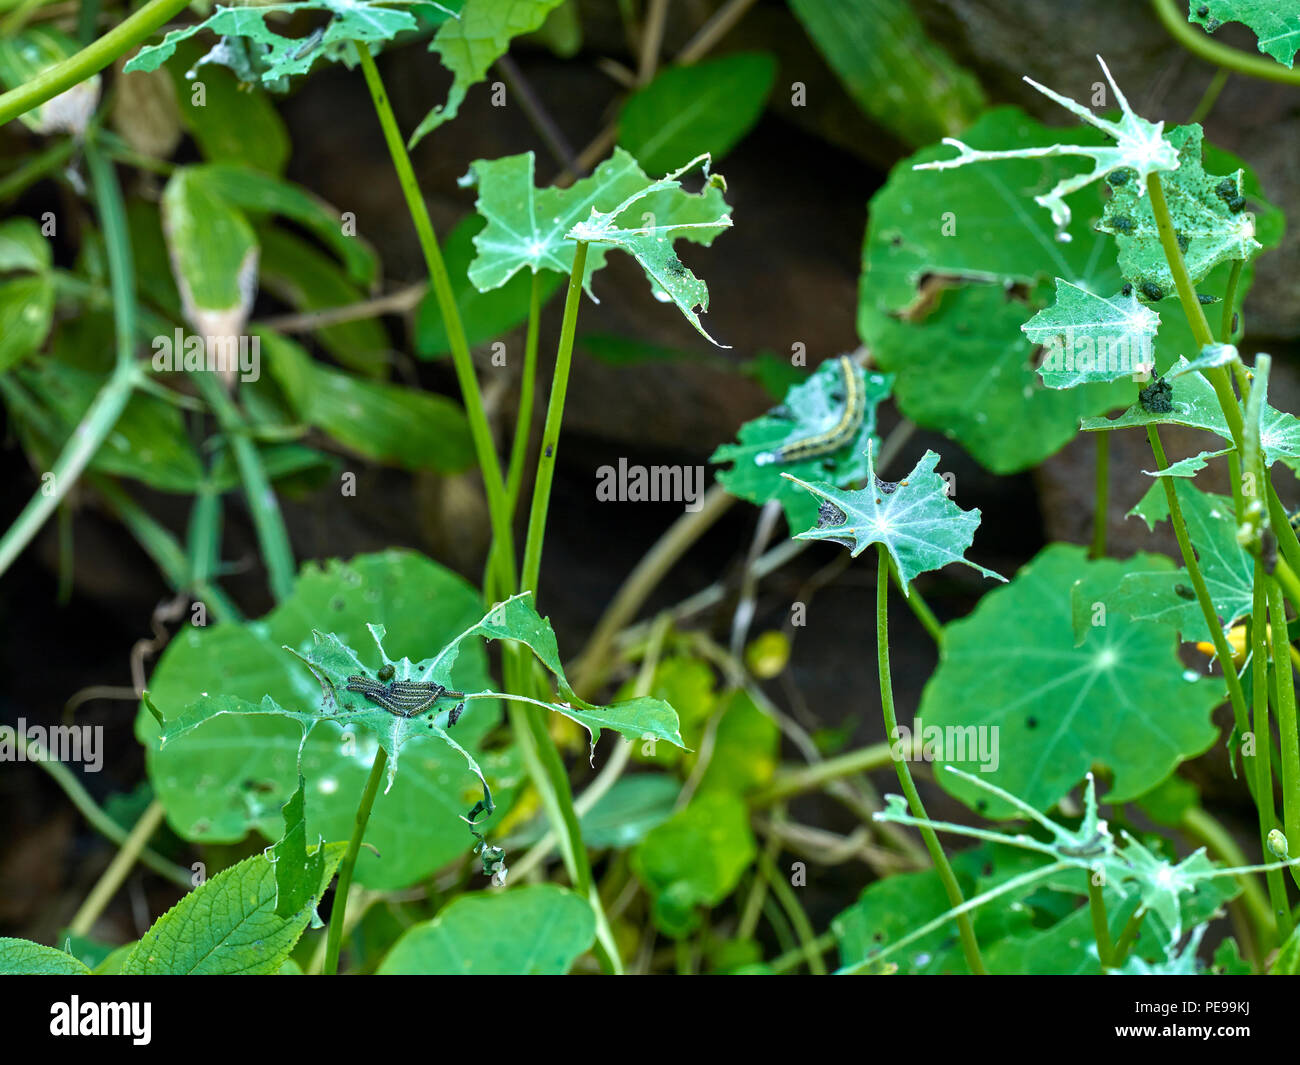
(1121, 699)
(893, 71)
(539, 930)
(1276, 22)
(1207, 212)
(1140, 146)
(704, 108)
(811, 407)
(228, 925)
(22, 957)
(472, 42)
(272, 56)
(234, 774)
(1092, 339)
(298, 870)
(921, 528)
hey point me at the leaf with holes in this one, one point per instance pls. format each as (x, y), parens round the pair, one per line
(916, 521)
(1276, 24)
(1092, 339)
(812, 408)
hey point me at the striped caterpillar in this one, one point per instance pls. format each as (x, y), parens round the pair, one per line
(838, 435)
(405, 698)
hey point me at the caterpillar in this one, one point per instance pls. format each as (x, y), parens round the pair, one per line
(834, 438)
(405, 698)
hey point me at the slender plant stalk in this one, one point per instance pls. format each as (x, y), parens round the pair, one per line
(789, 900)
(480, 432)
(334, 937)
(1128, 936)
(967, 931)
(551, 430)
(1288, 737)
(816, 776)
(1264, 744)
(108, 404)
(98, 819)
(1210, 96)
(1203, 828)
(527, 386)
(106, 887)
(90, 60)
(1101, 508)
(1100, 923)
(1194, 39)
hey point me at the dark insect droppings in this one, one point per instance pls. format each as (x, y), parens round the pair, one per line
(550, 450)
(1183, 242)
(1212, 25)
(1031, 722)
(1205, 298)
(1226, 189)
(1157, 397)
(1127, 290)
(1120, 176)
(1203, 10)
(1122, 223)
(1151, 291)
(386, 673)
(1237, 204)
(1183, 592)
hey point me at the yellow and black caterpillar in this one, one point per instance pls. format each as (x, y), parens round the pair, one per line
(838, 435)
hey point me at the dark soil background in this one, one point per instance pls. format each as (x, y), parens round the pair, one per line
(787, 272)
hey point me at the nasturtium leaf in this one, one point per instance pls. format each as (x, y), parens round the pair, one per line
(389, 423)
(893, 71)
(26, 290)
(1190, 466)
(694, 859)
(234, 773)
(1140, 146)
(213, 252)
(811, 407)
(689, 685)
(527, 227)
(650, 241)
(260, 51)
(1276, 22)
(745, 746)
(1208, 214)
(538, 930)
(484, 315)
(22, 957)
(1167, 597)
(229, 925)
(472, 42)
(703, 108)
(921, 528)
(1121, 699)
(1092, 339)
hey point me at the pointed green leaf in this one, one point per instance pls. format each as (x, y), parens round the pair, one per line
(539, 930)
(811, 407)
(1207, 211)
(1121, 699)
(228, 925)
(472, 42)
(298, 870)
(1092, 339)
(22, 957)
(916, 521)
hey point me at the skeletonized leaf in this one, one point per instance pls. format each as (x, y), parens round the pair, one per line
(916, 521)
(1092, 339)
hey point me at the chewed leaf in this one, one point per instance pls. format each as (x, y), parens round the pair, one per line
(916, 521)
(651, 242)
(527, 227)
(264, 52)
(472, 42)
(1139, 146)
(1092, 339)
(1208, 214)
(836, 406)
(1277, 25)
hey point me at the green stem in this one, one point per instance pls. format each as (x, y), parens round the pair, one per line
(794, 910)
(112, 398)
(819, 774)
(480, 432)
(551, 430)
(334, 937)
(1193, 38)
(970, 946)
(792, 958)
(527, 386)
(1100, 922)
(268, 522)
(1210, 97)
(1203, 828)
(1128, 936)
(1288, 738)
(106, 887)
(1264, 744)
(1221, 648)
(90, 60)
(98, 819)
(1101, 507)
(921, 609)
(35, 168)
